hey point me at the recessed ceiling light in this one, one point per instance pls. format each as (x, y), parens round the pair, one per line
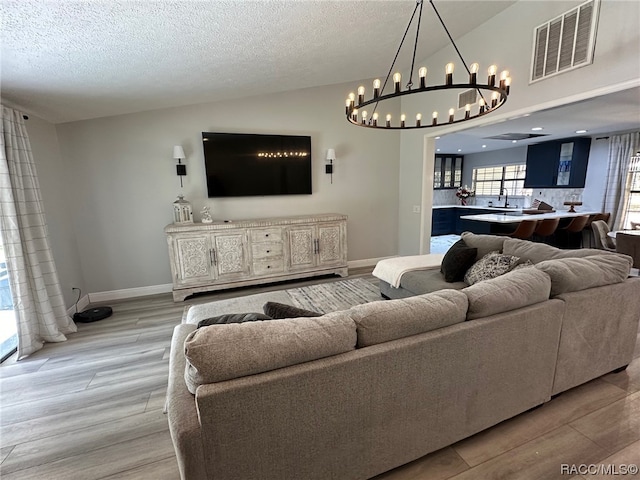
(536, 129)
(484, 146)
(437, 138)
(514, 141)
(437, 149)
(459, 149)
(581, 131)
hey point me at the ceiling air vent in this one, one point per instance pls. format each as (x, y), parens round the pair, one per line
(468, 97)
(565, 42)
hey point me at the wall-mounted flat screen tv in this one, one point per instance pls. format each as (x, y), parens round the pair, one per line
(239, 164)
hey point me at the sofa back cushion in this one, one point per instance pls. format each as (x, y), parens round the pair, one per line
(484, 243)
(516, 289)
(223, 352)
(539, 252)
(573, 274)
(379, 322)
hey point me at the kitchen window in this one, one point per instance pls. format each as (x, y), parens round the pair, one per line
(494, 180)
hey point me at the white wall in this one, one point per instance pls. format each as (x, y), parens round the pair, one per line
(506, 40)
(124, 179)
(59, 199)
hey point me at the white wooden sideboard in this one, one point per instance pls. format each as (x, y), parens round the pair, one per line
(219, 255)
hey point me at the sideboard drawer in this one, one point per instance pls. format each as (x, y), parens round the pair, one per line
(266, 250)
(266, 235)
(267, 267)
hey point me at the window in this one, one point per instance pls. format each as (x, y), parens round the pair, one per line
(493, 180)
(632, 208)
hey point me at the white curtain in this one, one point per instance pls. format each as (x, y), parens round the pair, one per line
(37, 297)
(621, 149)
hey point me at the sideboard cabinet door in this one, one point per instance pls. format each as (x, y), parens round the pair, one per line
(230, 255)
(193, 259)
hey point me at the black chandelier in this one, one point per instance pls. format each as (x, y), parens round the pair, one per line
(357, 116)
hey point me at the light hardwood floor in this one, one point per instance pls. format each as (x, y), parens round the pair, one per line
(91, 408)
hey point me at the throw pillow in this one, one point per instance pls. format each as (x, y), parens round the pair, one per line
(457, 261)
(281, 310)
(492, 265)
(232, 318)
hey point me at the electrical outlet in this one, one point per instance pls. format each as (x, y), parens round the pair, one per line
(416, 209)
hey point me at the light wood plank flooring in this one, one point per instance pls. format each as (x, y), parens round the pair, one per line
(91, 408)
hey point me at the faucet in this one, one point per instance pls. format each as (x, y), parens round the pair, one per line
(503, 191)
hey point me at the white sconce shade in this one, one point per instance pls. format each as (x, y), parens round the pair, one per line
(331, 154)
(178, 152)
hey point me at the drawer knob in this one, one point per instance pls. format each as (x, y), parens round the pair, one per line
(268, 266)
(268, 251)
(266, 234)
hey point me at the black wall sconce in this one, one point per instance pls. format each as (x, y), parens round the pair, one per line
(181, 168)
(328, 168)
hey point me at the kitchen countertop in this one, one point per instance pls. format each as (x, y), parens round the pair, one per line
(516, 216)
(474, 207)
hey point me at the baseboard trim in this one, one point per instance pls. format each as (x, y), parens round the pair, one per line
(82, 304)
(367, 262)
(129, 293)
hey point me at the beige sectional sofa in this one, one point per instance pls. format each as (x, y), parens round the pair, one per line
(355, 393)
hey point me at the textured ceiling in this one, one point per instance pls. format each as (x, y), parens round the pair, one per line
(72, 60)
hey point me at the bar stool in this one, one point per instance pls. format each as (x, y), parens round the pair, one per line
(545, 229)
(524, 230)
(571, 235)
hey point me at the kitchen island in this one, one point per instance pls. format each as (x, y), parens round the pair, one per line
(507, 222)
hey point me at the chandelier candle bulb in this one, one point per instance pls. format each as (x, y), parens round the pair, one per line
(449, 73)
(473, 75)
(375, 119)
(354, 115)
(434, 120)
(422, 73)
(494, 99)
(376, 88)
(507, 84)
(451, 113)
(360, 94)
(467, 111)
(397, 78)
(364, 117)
(418, 119)
(348, 105)
(403, 117)
(481, 102)
(492, 75)
(388, 120)
(503, 78)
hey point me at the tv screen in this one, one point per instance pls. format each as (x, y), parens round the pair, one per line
(239, 164)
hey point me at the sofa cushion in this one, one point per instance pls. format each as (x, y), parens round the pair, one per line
(484, 243)
(516, 289)
(492, 265)
(233, 318)
(427, 281)
(383, 321)
(573, 274)
(223, 352)
(539, 252)
(282, 310)
(457, 261)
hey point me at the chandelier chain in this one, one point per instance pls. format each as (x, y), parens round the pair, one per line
(464, 64)
(415, 47)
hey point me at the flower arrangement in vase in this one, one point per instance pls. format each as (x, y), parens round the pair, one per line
(463, 193)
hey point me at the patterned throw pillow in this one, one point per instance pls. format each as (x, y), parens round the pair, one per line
(492, 265)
